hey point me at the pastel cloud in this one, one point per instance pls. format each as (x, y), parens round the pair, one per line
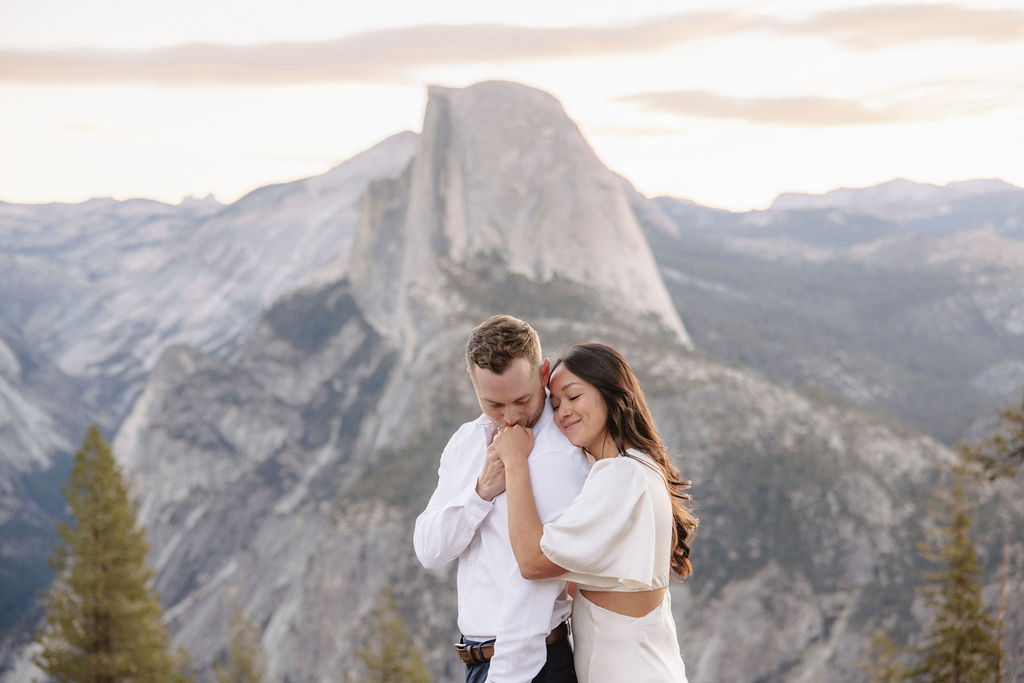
(797, 111)
(398, 53)
(937, 102)
(368, 56)
(874, 27)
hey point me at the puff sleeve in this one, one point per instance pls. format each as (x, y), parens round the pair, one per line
(606, 538)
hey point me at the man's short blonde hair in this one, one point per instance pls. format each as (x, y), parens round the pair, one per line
(499, 340)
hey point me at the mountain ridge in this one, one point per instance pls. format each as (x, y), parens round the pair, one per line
(897, 190)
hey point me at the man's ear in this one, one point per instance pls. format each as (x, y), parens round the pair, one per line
(545, 370)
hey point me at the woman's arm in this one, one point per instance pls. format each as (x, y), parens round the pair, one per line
(524, 526)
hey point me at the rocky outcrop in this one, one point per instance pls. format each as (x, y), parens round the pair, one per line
(503, 183)
(239, 466)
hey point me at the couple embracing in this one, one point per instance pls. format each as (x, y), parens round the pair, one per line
(562, 478)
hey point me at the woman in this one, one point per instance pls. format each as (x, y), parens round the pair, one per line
(625, 533)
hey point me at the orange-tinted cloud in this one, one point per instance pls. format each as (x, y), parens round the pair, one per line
(390, 54)
(874, 27)
(941, 101)
(368, 56)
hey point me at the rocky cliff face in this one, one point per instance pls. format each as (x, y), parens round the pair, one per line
(240, 466)
(93, 292)
(503, 183)
(33, 464)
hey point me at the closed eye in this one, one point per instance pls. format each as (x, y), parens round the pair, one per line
(554, 406)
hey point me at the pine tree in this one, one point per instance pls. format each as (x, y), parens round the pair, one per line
(246, 661)
(999, 456)
(958, 645)
(390, 657)
(103, 622)
(884, 663)
(1002, 454)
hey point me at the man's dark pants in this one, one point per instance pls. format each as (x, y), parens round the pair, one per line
(558, 669)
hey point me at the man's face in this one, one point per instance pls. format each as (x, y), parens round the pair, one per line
(516, 396)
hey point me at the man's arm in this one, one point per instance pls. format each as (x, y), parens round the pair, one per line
(456, 509)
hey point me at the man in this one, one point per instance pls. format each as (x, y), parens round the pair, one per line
(513, 630)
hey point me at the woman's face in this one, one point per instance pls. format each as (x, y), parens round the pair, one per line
(580, 411)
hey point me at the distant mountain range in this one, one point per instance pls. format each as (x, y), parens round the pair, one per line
(281, 374)
(904, 299)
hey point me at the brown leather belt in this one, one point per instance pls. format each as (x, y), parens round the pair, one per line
(478, 654)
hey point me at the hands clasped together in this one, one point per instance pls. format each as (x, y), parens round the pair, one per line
(509, 447)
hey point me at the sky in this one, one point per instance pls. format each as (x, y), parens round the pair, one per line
(724, 102)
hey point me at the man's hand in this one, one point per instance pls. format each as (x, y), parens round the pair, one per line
(513, 445)
(491, 481)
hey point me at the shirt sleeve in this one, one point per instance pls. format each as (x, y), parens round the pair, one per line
(606, 538)
(453, 514)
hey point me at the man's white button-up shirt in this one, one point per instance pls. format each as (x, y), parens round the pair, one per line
(495, 601)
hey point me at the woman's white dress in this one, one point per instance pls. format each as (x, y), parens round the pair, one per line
(617, 536)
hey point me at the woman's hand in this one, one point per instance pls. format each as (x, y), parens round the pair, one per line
(513, 445)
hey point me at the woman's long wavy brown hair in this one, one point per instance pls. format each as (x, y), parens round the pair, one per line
(630, 425)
